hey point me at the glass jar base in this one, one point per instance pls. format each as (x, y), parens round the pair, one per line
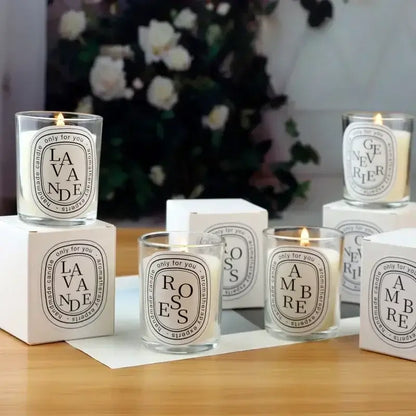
(179, 349)
(315, 336)
(52, 222)
(377, 205)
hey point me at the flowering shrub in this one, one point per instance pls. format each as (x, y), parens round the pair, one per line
(181, 89)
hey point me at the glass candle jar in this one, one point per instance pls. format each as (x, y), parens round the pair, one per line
(181, 285)
(303, 274)
(57, 167)
(376, 158)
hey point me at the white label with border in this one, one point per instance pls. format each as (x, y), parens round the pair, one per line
(370, 161)
(354, 231)
(298, 281)
(74, 283)
(240, 258)
(392, 301)
(177, 297)
(63, 170)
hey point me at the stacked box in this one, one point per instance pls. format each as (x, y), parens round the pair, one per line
(388, 295)
(241, 223)
(357, 223)
(57, 283)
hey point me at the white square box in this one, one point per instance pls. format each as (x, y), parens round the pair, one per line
(357, 223)
(241, 223)
(388, 294)
(57, 283)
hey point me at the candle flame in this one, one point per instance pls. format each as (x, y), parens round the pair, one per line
(304, 237)
(378, 119)
(60, 120)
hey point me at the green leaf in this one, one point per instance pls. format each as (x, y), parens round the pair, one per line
(304, 153)
(167, 115)
(270, 7)
(216, 138)
(159, 130)
(291, 128)
(302, 189)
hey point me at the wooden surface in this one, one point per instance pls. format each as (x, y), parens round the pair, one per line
(319, 378)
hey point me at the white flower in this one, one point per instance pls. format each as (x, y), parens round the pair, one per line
(156, 39)
(117, 51)
(217, 117)
(137, 83)
(85, 105)
(157, 175)
(128, 93)
(223, 9)
(161, 93)
(185, 19)
(178, 196)
(209, 6)
(177, 58)
(196, 191)
(107, 78)
(72, 24)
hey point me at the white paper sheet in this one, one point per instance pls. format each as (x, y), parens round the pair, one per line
(123, 349)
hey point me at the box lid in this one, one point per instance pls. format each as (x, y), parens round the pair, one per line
(342, 205)
(405, 237)
(14, 221)
(219, 206)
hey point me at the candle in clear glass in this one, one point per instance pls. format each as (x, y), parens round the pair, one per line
(376, 157)
(57, 167)
(181, 286)
(303, 274)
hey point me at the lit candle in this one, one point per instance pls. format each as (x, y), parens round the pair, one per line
(302, 279)
(376, 154)
(57, 167)
(180, 292)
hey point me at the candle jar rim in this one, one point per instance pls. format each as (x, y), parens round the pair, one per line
(215, 240)
(386, 115)
(45, 115)
(329, 233)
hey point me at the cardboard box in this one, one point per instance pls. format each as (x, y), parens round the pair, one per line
(56, 283)
(388, 294)
(357, 223)
(241, 223)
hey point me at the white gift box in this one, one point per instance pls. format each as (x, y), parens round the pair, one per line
(241, 223)
(388, 294)
(357, 223)
(56, 283)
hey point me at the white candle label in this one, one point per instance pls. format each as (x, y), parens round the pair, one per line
(370, 160)
(74, 283)
(353, 236)
(392, 301)
(299, 288)
(240, 258)
(63, 170)
(177, 297)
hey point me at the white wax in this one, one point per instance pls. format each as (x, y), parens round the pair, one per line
(26, 204)
(400, 187)
(211, 330)
(334, 276)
